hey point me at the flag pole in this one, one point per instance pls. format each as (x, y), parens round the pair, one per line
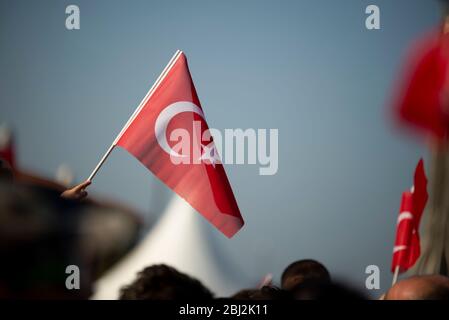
(395, 275)
(105, 156)
(136, 112)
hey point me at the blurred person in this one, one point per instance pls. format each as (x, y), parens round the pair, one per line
(39, 238)
(429, 287)
(303, 271)
(101, 232)
(162, 282)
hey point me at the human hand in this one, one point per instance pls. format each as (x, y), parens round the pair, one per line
(76, 193)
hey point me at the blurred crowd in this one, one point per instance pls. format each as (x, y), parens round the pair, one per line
(302, 280)
(44, 228)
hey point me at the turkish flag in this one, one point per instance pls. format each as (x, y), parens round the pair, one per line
(423, 99)
(407, 246)
(169, 136)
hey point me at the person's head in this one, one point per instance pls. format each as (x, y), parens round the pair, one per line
(264, 293)
(304, 271)
(431, 287)
(270, 293)
(161, 282)
(244, 294)
(325, 291)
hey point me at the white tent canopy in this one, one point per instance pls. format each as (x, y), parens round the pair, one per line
(179, 240)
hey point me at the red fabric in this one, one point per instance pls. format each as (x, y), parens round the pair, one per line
(7, 151)
(203, 184)
(407, 246)
(423, 101)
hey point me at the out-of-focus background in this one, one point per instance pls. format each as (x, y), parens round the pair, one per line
(308, 68)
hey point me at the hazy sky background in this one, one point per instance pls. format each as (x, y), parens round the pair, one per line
(308, 68)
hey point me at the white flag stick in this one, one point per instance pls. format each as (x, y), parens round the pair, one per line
(395, 275)
(136, 112)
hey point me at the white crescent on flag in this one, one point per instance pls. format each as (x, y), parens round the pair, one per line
(404, 215)
(164, 118)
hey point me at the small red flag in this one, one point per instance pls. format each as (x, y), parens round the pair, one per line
(7, 150)
(407, 248)
(192, 167)
(423, 101)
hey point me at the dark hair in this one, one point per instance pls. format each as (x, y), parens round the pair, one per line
(270, 293)
(328, 291)
(244, 294)
(161, 282)
(265, 293)
(305, 271)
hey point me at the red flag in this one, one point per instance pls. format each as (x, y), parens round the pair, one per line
(407, 247)
(7, 151)
(190, 167)
(424, 98)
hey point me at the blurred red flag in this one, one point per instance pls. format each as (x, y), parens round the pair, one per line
(7, 150)
(423, 100)
(407, 248)
(193, 170)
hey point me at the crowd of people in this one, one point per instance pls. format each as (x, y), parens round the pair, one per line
(42, 230)
(302, 280)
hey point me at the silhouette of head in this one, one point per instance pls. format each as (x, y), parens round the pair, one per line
(161, 282)
(430, 287)
(304, 271)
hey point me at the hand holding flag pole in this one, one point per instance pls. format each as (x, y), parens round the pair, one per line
(77, 192)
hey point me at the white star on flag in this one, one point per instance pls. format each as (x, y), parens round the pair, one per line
(210, 154)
